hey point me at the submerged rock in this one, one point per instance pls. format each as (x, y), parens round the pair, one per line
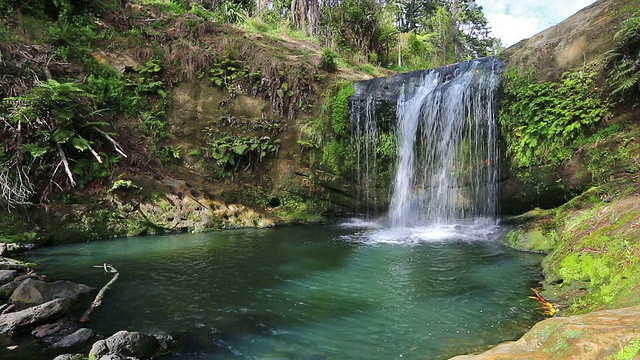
(32, 316)
(34, 292)
(597, 335)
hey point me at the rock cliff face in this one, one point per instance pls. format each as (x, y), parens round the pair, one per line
(574, 43)
(577, 44)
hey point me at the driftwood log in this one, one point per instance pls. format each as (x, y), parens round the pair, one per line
(98, 300)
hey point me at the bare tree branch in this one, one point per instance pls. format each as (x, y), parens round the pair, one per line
(116, 146)
(67, 169)
(15, 186)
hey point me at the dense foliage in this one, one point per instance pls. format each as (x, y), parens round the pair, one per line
(624, 59)
(59, 129)
(544, 122)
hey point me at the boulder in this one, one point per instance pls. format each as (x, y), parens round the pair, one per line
(34, 292)
(78, 337)
(32, 316)
(127, 344)
(597, 335)
(70, 357)
(7, 275)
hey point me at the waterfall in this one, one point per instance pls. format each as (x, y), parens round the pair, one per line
(447, 144)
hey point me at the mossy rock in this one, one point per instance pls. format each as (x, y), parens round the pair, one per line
(534, 239)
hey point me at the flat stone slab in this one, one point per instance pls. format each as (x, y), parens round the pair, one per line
(11, 264)
(78, 337)
(592, 336)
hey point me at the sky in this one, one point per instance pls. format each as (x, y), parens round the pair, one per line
(514, 20)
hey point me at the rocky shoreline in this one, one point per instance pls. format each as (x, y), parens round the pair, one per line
(31, 303)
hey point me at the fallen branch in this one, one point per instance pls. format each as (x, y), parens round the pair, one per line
(546, 306)
(98, 300)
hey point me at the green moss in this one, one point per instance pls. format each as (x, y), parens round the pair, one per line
(628, 352)
(533, 239)
(561, 344)
(596, 261)
(545, 333)
(298, 210)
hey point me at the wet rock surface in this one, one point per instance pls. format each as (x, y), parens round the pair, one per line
(11, 264)
(70, 357)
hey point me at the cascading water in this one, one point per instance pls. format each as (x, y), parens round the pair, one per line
(447, 155)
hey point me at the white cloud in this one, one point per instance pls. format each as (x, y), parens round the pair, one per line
(514, 20)
(511, 29)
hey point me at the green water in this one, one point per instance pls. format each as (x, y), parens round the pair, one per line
(310, 292)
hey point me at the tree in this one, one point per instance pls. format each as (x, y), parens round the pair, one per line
(474, 39)
(412, 14)
(364, 26)
(450, 30)
(442, 36)
(456, 31)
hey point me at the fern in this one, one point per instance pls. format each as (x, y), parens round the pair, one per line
(542, 122)
(624, 59)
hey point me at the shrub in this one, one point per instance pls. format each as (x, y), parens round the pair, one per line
(328, 60)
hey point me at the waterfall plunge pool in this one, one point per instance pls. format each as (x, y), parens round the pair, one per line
(312, 292)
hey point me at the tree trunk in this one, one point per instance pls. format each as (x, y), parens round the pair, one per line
(456, 34)
(399, 49)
